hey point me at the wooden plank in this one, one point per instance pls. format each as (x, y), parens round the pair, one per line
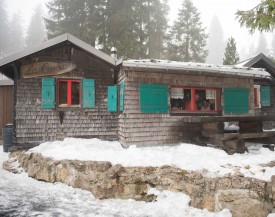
(230, 136)
(238, 118)
(250, 126)
(1, 109)
(6, 106)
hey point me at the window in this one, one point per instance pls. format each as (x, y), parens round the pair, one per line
(257, 96)
(68, 93)
(193, 99)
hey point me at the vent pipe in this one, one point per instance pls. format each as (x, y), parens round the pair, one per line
(114, 53)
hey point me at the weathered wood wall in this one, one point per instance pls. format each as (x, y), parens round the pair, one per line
(138, 128)
(34, 124)
(6, 106)
(268, 110)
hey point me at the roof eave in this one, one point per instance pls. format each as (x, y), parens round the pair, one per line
(236, 72)
(33, 49)
(54, 41)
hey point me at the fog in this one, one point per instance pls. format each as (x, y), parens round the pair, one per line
(223, 10)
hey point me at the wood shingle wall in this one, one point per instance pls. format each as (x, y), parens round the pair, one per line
(139, 128)
(34, 124)
(268, 110)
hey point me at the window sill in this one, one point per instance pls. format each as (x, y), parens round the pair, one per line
(195, 113)
(68, 108)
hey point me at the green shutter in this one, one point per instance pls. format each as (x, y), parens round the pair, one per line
(153, 98)
(122, 87)
(112, 98)
(48, 93)
(88, 93)
(236, 100)
(265, 96)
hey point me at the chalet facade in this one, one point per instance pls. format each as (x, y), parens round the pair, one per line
(66, 88)
(166, 102)
(61, 91)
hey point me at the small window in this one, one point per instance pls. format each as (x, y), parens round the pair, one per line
(68, 93)
(193, 99)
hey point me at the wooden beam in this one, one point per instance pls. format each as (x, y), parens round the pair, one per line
(238, 118)
(231, 136)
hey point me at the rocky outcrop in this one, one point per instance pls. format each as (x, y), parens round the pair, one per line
(245, 197)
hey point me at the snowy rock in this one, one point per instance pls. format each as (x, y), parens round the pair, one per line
(240, 203)
(243, 196)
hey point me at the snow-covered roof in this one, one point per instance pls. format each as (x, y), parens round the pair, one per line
(5, 81)
(244, 63)
(197, 67)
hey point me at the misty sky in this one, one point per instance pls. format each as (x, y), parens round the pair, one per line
(224, 9)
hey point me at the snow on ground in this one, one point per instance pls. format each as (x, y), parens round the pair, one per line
(210, 161)
(23, 196)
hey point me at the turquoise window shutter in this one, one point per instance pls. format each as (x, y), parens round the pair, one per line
(112, 98)
(88, 93)
(48, 93)
(153, 98)
(122, 87)
(265, 96)
(236, 100)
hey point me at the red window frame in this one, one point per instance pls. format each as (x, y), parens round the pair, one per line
(69, 91)
(256, 103)
(257, 96)
(193, 100)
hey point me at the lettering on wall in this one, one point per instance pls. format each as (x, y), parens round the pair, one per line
(41, 69)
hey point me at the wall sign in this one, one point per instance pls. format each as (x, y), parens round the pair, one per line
(41, 69)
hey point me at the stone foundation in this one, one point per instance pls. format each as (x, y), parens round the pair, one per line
(244, 197)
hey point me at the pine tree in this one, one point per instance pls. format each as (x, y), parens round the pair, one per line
(188, 38)
(136, 28)
(4, 38)
(231, 55)
(16, 34)
(79, 18)
(216, 43)
(260, 17)
(36, 32)
(120, 29)
(157, 25)
(262, 45)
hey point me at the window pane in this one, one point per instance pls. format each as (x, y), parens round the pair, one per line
(63, 93)
(211, 96)
(75, 93)
(206, 100)
(180, 99)
(177, 98)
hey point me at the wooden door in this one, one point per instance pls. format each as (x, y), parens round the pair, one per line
(6, 106)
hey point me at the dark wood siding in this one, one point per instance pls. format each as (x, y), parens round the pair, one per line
(6, 106)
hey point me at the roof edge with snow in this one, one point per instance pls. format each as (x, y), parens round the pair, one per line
(199, 67)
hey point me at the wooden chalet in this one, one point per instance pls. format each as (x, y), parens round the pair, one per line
(66, 88)
(168, 102)
(61, 91)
